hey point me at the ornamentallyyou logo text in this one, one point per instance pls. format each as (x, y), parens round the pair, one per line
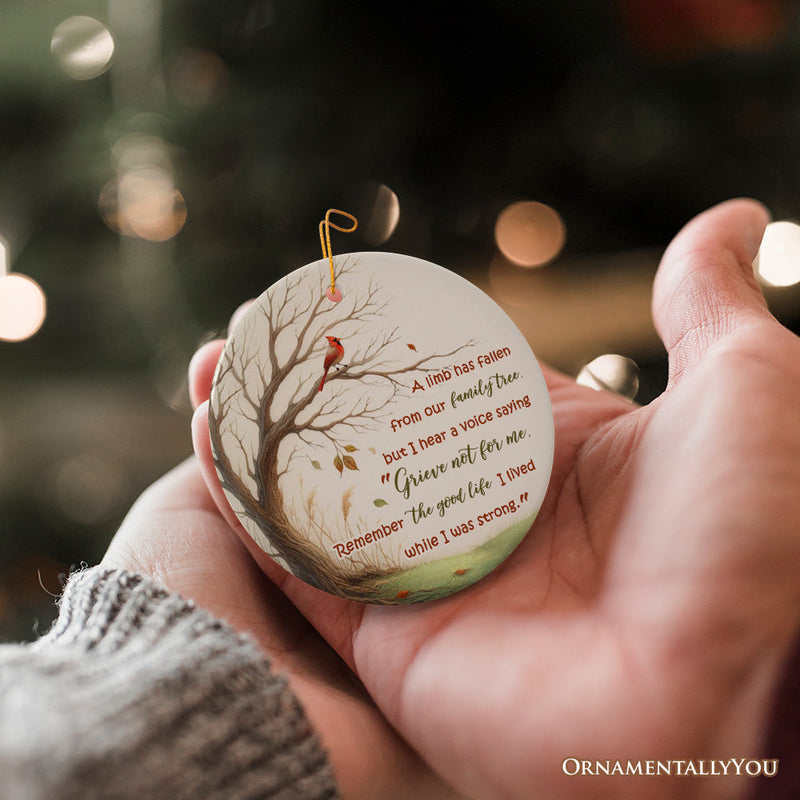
(680, 767)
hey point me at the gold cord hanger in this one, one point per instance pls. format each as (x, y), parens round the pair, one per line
(325, 241)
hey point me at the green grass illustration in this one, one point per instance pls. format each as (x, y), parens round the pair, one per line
(444, 576)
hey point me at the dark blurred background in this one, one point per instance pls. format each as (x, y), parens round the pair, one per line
(160, 162)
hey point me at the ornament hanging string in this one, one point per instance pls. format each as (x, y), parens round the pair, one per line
(333, 294)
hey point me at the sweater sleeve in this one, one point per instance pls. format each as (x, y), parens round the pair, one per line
(136, 693)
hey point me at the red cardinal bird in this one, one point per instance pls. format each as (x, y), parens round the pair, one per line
(332, 357)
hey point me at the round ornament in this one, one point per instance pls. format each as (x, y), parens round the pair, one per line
(391, 447)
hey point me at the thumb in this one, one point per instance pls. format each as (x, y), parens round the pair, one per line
(705, 287)
(175, 534)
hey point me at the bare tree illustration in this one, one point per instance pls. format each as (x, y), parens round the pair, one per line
(274, 387)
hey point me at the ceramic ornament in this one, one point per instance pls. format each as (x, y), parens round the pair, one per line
(392, 447)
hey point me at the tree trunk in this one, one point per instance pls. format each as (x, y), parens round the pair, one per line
(304, 559)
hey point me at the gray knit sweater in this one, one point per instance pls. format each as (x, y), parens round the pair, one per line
(135, 693)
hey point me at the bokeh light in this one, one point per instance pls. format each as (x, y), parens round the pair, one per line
(143, 200)
(384, 216)
(22, 307)
(778, 259)
(529, 234)
(3, 256)
(88, 488)
(143, 203)
(611, 373)
(150, 204)
(683, 29)
(197, 77)
(83, 47)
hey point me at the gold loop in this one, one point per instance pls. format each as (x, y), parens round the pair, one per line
(325, 236)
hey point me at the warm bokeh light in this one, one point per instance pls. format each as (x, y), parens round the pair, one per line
(150, 204)
(89, 489)
(383, 217)
(83, 47)
(22, 307)
(530, 234)
(611, 373)
(143, 203)
(680, 29)
(143, 200)
(778, 259)
(197, 77)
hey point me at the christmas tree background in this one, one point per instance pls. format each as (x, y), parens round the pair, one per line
(190, 172)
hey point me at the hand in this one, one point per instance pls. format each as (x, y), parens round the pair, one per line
(175, 534)
(648, 610)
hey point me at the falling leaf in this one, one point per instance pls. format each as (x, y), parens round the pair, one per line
(337, 462)
(402, 594)
(372, 450)
(350, 448)
(412, 347)
(378, 502)
(350, 462)
(316, 465)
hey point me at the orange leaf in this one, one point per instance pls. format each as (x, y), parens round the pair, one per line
(412, 347)
(337, 462)
(403, 593)
(350, 462)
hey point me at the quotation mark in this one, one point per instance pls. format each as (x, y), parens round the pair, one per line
(385, 477)
(523, 497)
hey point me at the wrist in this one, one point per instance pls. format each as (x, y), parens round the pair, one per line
(135, 692)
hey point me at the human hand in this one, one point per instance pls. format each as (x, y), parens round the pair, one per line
(646, 614)
(175, 534)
